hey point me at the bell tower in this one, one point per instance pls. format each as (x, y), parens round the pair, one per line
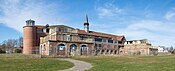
(29, 37)
(30, 23)
(86, 24)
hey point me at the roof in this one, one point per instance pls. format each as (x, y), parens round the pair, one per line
(60, 26)
(39, 26)
(92, 33)
(30, 20)
(139, 40)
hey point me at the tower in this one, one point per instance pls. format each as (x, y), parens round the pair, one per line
(29, 37)
(86, 24)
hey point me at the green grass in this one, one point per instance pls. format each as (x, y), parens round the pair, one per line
(33, 64)
(130, 63)
(19, 55)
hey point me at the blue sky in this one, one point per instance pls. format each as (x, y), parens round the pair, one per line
(136, 19)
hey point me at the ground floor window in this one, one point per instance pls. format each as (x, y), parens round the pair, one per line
(83, 48)
(61, 47)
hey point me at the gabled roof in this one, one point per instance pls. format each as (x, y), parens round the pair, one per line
(98, 34)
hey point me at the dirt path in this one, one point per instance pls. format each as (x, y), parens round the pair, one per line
(78, 65)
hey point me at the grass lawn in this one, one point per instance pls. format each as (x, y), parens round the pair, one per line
(19, 55)
(130, 63)
(33, 64)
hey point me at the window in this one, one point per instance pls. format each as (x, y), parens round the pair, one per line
(100, 45)
(116, 41)
(104, 40)
(61, 47)
(64, 37)
(68, 37)
(110, 41)
(65, 29)
(44, 47)
(40, 30)
(41, 47)
(109, 46)
(81, 38)
(105, 45)
(119, 42)
(98, 40)
(83, 48)
(59, 29)
(96, 45)
(71, 38)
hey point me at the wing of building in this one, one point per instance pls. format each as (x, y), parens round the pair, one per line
(139, 47)
(63, 40)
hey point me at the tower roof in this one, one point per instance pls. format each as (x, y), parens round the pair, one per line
(86, 21)
(30, 20)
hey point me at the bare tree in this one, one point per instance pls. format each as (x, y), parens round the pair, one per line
(20, 42)
(171, 50)
(10, 44)
(2, 48)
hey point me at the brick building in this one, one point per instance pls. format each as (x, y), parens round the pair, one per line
(63, 40)
(139, 47)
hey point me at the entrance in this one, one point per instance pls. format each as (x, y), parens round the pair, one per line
(61, 49)
(73, 49)
(84, 50)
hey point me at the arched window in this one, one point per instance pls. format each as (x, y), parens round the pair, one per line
(73, 46)
(44, 47)
(61, 47)
(83, 48)
(40, 46)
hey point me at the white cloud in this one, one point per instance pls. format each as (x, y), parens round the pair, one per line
(159, 33)
(14, 13)
(108, 10)
(147, 11)
(136, 26)
(170, 15)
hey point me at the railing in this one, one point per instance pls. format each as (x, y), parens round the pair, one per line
(48, 37)
(72, 38)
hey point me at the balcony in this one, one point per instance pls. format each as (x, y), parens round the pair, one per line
(48, 37)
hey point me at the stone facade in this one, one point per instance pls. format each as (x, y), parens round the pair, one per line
(61, 40)
(139, 47)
